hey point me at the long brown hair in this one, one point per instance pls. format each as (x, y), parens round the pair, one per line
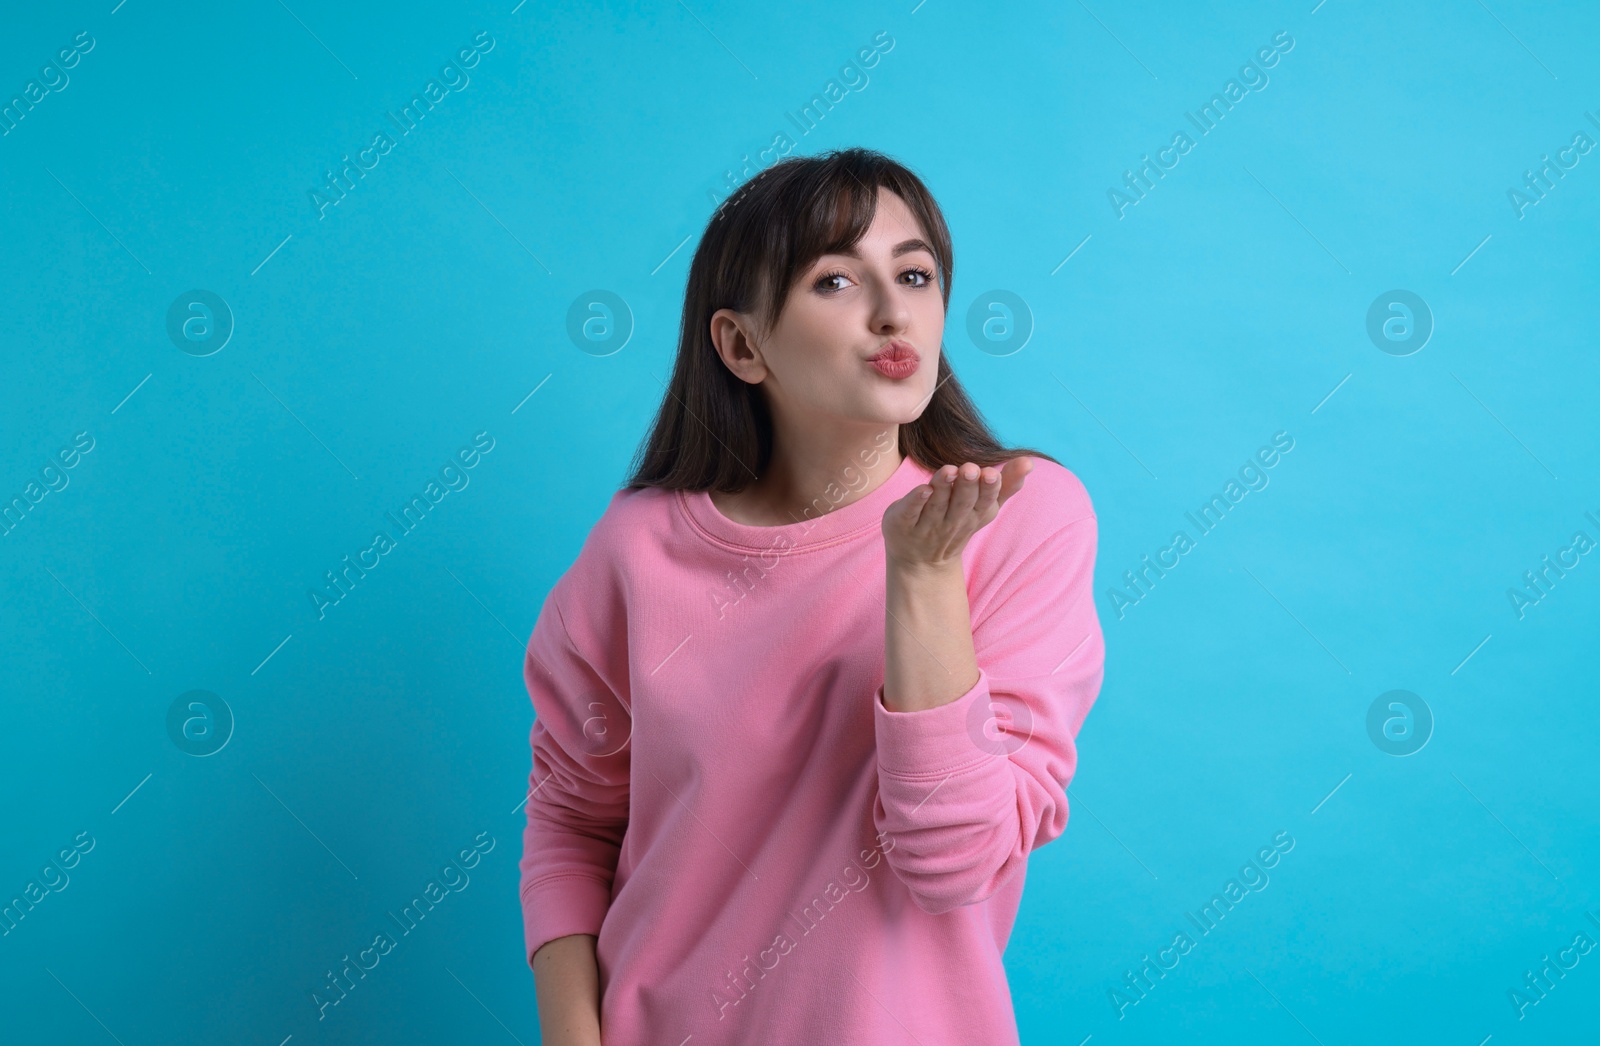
(713, 431)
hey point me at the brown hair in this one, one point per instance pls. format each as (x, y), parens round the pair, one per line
(713, 430)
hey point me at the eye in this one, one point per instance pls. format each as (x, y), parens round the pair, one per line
(927, 277)
(822, 281)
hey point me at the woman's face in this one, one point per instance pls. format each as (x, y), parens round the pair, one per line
(843, 309)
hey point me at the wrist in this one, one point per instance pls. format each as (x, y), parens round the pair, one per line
(923, 572)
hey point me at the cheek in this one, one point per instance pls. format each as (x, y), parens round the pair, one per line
(930, 331)
(813, 369)
(817, 354)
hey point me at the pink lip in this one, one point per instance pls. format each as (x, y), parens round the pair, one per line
(896, 360)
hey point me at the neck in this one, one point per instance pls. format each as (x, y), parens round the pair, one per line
(821, 470)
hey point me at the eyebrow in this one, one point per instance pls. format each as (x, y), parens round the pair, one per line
(903, 247)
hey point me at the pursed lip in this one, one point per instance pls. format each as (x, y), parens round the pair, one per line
(896, 349)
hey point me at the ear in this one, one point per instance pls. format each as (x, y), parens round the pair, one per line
(732, 335)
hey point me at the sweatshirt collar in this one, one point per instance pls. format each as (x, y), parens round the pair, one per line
(824, 525)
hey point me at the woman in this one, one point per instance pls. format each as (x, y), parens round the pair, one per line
(807, 698)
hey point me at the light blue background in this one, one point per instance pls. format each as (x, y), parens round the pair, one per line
(586, 153)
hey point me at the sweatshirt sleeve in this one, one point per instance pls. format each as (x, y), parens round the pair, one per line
(577, 807)
(967, 789)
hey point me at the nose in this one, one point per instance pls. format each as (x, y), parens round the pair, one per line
(890, 314)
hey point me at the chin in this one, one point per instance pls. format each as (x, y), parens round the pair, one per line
(904, 411)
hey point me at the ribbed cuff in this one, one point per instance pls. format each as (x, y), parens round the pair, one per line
(933, 740)
(563, 905)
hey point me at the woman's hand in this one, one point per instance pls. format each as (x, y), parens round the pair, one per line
(929, 659)
(929, 528)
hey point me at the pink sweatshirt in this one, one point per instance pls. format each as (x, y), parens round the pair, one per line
(766, 853)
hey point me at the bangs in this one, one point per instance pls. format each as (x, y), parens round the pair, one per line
(839, 217)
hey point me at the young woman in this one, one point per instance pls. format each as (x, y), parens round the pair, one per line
(807, 698)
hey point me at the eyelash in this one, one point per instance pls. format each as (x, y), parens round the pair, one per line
(925, 274)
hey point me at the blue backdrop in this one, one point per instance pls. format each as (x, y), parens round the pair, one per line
(1311, 285)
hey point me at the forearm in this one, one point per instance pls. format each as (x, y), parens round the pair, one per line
(567, 980)
(928, 653)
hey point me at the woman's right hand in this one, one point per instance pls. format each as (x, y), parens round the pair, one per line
(567, 979)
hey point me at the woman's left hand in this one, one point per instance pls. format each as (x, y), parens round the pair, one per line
(930, 526)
